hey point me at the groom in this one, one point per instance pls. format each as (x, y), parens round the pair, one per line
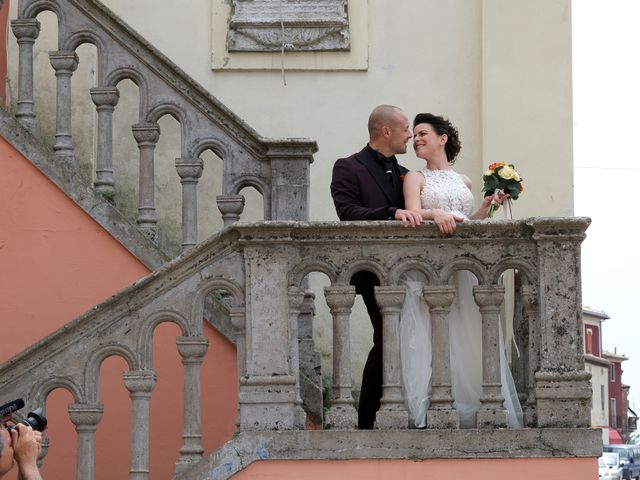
(368, 186)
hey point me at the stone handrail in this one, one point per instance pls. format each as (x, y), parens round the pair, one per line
(262, 269)
(277, 168)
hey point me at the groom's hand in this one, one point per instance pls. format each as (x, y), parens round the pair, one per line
(408, 217)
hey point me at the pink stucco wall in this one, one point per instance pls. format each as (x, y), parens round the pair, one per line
(55, 263)
(476, 469)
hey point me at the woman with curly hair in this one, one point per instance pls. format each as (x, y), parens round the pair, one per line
(441, 194)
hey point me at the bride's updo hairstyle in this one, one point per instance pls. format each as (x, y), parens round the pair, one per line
(442, 126)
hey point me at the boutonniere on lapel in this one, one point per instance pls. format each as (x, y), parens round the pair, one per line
(402, 178)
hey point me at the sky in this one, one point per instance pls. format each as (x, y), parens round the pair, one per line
(606, 97)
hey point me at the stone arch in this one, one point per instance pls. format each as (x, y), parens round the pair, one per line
(41, 390)
(297, 275)
(156, 112)
(126, 73)
(92, 371)
(525, 268)
(369, 265)
(249, 181)
(412, 264)
(33, 9)
(145, 338)
(474, 266)
(217, 146)
(166, 108)
(73, 41)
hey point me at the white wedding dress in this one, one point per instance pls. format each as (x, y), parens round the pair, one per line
(444, 189)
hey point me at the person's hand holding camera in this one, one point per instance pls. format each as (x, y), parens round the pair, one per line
(26, 448)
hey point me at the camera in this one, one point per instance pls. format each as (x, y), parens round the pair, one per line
(35, 419)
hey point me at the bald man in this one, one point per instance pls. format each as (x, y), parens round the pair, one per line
(368, 186)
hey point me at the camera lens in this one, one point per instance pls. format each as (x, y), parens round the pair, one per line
(35, 420)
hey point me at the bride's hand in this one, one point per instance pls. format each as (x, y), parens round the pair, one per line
(446, 222)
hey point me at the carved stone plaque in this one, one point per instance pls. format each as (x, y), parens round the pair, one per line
(307, 25)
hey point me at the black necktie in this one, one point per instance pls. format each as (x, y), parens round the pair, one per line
(389, 168)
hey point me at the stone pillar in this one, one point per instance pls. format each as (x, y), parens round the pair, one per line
(296, 297)
(140, 383)
(393, 413)
(491, 413)
(192, 351)
(190, 170)
(231, 207)
(342, 413)
(290, 164)
(86, 418)
(26, 31)
(267, 390)
(529, 296)
(441, 413)
(64, 63)
(105, 99)
(147, 135)
(310, 363)
(563, 390)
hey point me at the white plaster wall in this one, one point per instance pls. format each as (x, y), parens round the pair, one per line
(499, 69)
(599, 377)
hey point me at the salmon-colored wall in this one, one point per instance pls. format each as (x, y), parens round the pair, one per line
(55, 263)
(476, 469)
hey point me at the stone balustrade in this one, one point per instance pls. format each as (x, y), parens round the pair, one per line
(277, 168)
(262, 270)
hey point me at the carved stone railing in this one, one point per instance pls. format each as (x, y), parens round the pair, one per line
(277, 168)
(262, 268)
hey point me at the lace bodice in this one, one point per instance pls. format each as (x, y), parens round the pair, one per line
(444, 189)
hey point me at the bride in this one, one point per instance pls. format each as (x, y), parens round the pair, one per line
(443, 195)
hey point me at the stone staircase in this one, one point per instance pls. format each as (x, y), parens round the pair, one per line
(261, 268)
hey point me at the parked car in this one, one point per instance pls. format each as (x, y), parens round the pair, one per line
(609, 466)
(629, 458)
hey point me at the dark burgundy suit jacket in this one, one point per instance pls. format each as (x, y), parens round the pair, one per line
(361, 190)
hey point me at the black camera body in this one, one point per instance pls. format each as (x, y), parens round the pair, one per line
(35, 419)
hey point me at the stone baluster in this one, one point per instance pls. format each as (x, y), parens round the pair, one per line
(532, 357)
(86, 418)
(342, 413)
(105, 99)
(393, 413)
(192, 351)
(238, 320)
(64, 63)
(147, 135)
(296, 297)
(491, 413)
(190, 170)
(310, 362)
(140, 384)
(231, 207)
(441, 413)
(563, 391)
(26, 31)
(44, 449)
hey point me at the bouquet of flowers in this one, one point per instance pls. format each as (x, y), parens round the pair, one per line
(501, 178)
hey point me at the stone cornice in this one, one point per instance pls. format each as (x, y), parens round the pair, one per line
(410, 445)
